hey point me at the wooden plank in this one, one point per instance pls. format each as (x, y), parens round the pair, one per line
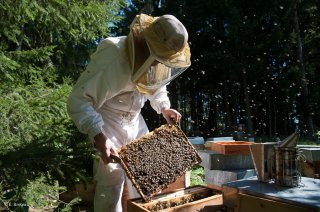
(316, 169)
(310, 169)
(183, 200)
(230, 148)
(135, 207)
(215, 187)
(248, 203)
(213, 204)
(180, 183)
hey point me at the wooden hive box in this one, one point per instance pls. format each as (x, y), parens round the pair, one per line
(158, 159)
(230, 148)
(197, 198)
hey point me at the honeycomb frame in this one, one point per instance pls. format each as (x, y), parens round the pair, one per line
(157, 159)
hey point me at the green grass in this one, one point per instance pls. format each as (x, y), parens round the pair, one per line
(198, 176)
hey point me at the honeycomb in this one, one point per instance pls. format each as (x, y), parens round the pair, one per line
(157, 159)
(177, 201)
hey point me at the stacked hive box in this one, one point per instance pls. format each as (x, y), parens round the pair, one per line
(311, 163)
(226, 161)
(197, 142)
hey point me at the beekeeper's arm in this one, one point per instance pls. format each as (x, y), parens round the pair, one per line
(160, 102)
(89, 93)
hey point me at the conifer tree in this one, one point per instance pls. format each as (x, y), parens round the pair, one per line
(44, 46)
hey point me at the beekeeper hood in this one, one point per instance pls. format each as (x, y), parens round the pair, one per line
(158, 51)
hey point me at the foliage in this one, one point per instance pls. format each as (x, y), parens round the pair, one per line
(39, 140)
(245, 70)
(197, 176)
(32, 28)
(44, 45)
(38, 194)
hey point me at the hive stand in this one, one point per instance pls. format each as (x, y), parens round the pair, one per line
(250, 195)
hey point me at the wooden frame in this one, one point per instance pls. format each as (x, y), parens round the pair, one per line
(207, 200)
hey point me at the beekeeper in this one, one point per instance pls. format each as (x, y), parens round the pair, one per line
(122, 75)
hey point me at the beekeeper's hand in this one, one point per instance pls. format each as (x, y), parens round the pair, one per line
(172, 116)
(105, 147)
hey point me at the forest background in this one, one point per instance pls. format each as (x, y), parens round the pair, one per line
(255, 74)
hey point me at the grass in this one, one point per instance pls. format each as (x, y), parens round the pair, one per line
(197, 176)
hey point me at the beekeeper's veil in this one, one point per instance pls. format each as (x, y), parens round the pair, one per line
(158, 51)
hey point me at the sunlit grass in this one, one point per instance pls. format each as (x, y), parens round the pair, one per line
(198, 176)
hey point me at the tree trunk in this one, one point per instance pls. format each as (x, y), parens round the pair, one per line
(274, 108)
(226, 103)
(149, 7)
(212, 126)
(247, 104)
(269, 117)
(306, 113)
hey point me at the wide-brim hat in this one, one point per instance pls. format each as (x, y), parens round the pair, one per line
(166, 37)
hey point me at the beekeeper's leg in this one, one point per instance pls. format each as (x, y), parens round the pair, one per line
(129, 192)
(132, 191)
(125, 198)
(110, 181)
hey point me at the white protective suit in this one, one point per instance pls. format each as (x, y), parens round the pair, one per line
(105, 100)
(119, 79)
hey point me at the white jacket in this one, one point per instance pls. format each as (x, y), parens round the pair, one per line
(105, 99)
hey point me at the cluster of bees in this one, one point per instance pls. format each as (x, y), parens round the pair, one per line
(154, 161)
(168, 204)
(160, 205)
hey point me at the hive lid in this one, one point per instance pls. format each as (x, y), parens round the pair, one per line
(196, 140)
(157, 159)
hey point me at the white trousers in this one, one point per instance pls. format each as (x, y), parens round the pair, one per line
(110, 180)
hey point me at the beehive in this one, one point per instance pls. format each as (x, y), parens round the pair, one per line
(157, 159)
(230, 148)
(196, 198)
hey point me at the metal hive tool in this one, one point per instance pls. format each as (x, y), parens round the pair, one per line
(157, 159)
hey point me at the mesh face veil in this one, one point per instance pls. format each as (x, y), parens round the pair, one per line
(156, 77)
(158, 51)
